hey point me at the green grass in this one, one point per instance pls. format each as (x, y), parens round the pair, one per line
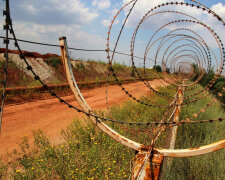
(210, 166)
(54, 62)
(118, 67)
(16, 77)
(87, 153)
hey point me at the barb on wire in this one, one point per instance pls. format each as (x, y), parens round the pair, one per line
(72, 48)
(173, 56)
(8, 22)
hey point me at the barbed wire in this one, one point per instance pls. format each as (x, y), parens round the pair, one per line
(99, 119)
(72, 48)
(177, 21)
(208, 54)
(6, 13)
(36, 77)
(165, 122)
(45, 86)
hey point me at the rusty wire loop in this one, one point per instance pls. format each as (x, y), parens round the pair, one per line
(178, 21)
(206, 55)
(171, 58)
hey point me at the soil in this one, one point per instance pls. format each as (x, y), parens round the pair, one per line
(30, 54)
(51, 116)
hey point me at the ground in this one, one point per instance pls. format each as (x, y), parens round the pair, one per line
(52, 116)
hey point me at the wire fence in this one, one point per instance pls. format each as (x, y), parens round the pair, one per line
(72, 48)
(171, 57)
(9, 28)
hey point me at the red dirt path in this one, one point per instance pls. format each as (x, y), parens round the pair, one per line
(52, 116)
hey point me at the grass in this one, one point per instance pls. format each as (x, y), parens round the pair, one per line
(14, 73)
(84, 70)
(54, 62)
(80, 66)
(209, 166)
(118, 67)
(87, 153)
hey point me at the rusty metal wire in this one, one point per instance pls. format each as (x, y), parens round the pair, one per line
(207, 54)
(72, 48)
(203, 51)
(8, 22)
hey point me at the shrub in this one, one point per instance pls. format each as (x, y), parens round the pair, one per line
(118, 67)
(54, 62)
(157, 68)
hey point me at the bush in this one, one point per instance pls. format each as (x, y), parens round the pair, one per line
(157, 68)
(54, 62)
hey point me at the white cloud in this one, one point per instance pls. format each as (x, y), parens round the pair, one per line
(217, 26)
(143, 6)
(114, 11)
(76, 37)
(31, 9)
(47, 20)
(102, 4)
(107, 22)
(219, 9)
(53, 12)
(51, 33)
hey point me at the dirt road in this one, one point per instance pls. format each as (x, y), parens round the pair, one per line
(52, 116)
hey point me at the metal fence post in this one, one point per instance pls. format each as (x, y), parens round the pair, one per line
(147, 166)
(179, 100)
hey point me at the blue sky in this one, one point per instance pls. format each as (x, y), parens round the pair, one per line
(85, 24)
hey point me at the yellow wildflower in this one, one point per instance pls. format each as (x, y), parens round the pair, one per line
(18, 171)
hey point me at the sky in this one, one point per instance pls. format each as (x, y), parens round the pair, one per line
(85, 23)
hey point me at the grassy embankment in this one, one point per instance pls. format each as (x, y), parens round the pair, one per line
(84, 71)
(87, 73)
